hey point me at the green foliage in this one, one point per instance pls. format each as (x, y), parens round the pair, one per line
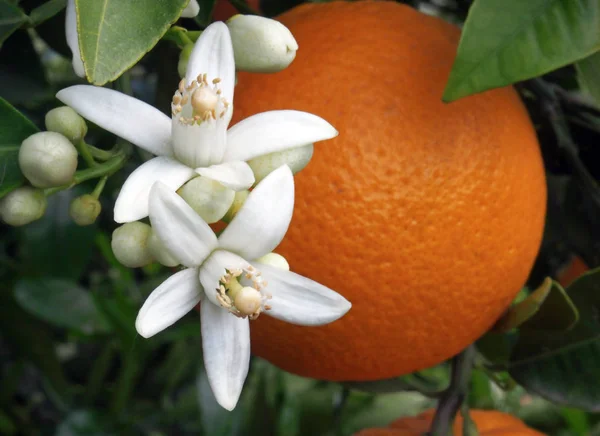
(114, 35)
(11, 19)
(588, 70)
(506, 41)
(14, 128)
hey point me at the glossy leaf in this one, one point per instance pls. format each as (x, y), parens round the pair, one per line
(61, 303)
(11, 19)
(506, 41)
(518, 313)
(46, 11)
(55, 246)
(563, 366)
(114, 35)
(588, 73)
(14, 128)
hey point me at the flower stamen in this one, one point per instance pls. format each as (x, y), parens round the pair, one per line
(243, 301)
(200, 101)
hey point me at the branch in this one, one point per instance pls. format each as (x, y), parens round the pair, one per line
(454, 396)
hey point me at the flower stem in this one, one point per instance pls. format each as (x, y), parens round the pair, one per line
(100, 154)
(453, 397)
(85, 153)
(99, 187)
(179, 35)
(105, 169)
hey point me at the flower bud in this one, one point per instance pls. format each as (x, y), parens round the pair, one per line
(238, 202)
(295, 158)
(208, 198)
(159, 251)
(184, 57)
(85, 209)
(48, 159)
(261, 45)
(22, 206)
(191, 10)
(130, 244)
(275, 260)
(67, 122)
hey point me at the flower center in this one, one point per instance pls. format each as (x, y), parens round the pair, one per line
(200, 101)
(243, 301)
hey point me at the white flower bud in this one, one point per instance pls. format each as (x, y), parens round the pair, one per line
(67, 122)
(159, 251)
(130, 244)
(48, 159)
(191, 10)
(22, 206)
(261, 45)
(295, 158)
(238, 202)
(275, 260)
(85, 209)
(208, 198)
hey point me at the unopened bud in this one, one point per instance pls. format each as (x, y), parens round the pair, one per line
(48, 159)
(159, 251)
(238, 202)
(85, 209)
(261, 45)
(130, 244)
(184, 57)
(275, 260)
(296, 158)
(211, 200)
(67, 122)
(191, 10)
(22, 206)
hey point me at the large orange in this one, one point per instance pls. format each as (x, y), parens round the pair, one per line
(426, 216)
(489, 422)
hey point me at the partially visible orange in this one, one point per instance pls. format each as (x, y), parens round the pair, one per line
(575, 268)
(225, 10)
(489, 423)
(426, 216)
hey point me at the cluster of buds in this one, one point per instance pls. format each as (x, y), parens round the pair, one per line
(49, 160)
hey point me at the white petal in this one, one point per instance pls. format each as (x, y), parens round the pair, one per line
(132, 202)
(261, 223)
(272, 131)
(199, 145)
(226, 350)
(125, 116)
(213, 55)
(73, 38)
(215, 267)
(234, 175)
(191, 10)
(187, 237)
(169, 302)
(299, 300)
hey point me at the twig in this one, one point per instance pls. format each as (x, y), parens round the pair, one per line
(454, 396)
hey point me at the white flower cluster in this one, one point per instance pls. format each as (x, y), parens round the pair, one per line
(201, 174)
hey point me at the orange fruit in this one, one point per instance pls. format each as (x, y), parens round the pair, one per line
(489, 423)
(426, 216)
(225, 10)
(573, 270)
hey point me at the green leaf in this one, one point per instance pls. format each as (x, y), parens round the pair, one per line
(11, 18)
(14, 128)
(588, 73)
(548, 308)
(114, 35)
(55, 246)
(506, 41)
(61, 303)
(46, 11)
(206, 10)
(30, 338)
(563, 366)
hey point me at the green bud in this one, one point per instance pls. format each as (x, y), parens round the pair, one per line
(275, 260)
(211, 200)
(160, 252)
(67, 122)
(261, 45)
(296, 158)
(184, 57)
(130, 244)
(22, 206)
(48, 159)
(238, 202)
(85, 209)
